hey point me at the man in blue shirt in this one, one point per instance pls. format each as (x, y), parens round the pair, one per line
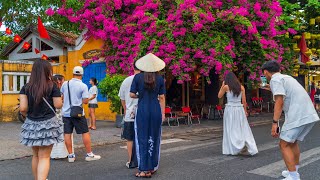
(79, 95)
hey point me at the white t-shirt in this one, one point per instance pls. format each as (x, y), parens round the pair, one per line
(93, 91)
(297, 106)
(78, 91)
(131, 104)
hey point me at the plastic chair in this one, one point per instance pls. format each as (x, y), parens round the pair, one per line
(172, 116)
(220, 110)
(191, 116)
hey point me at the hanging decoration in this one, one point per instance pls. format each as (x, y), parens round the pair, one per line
(8, 31)
(37, 51)
(17, 39)
(44, 57)
(26, 45)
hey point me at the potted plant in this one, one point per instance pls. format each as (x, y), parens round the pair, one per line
(109, 87)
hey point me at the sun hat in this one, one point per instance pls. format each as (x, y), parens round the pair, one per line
(78, 70)
(150, 63)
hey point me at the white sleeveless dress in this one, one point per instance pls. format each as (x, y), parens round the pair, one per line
(236, 130)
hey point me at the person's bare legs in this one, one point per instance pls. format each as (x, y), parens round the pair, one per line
(90, 119)
(68, 142)
(129, 148)
(93, 118)
(296, 152)
(87, 142)
(288, 155)
(35, 161)
(44, 162)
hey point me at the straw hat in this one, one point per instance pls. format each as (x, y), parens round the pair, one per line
(150, 63)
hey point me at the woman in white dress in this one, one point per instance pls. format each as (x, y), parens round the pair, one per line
(237, 135)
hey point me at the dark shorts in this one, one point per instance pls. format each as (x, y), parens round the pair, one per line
(80, 124)
(93, 105)
(128, 131)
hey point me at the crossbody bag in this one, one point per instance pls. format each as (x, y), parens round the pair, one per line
(75, 111)
(57, 113)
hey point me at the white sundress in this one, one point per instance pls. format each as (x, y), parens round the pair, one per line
(236, 130)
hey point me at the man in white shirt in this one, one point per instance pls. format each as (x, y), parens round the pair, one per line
(78, 95)
(300, 115)
(129, 105)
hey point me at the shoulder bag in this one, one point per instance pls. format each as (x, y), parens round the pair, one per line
(75, 111)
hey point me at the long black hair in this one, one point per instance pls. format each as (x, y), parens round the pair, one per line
(234, 84)
(40, 84)
(150, 80)
(94, 80)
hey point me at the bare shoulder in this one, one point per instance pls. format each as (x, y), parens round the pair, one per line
(226, 87)
(242, 88)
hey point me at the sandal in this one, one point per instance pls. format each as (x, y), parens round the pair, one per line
(93, 128)
(144, 174)
(153, 172)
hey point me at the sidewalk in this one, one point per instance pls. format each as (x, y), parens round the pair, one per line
(107, 133)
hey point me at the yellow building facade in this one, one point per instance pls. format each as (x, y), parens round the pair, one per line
(65, 51)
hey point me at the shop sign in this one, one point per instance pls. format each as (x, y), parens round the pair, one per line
(92, 53)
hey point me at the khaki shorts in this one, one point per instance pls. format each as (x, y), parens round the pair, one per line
(296, 134)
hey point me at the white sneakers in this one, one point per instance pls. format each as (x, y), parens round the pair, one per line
(71, 158)
(93, 157)
(287, 176)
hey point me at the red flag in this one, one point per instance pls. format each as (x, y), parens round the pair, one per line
(303, 49)
(0, 24)
(42, 30)
(8, 31)
(44, 57)
(17, 38)
(37, 51)
(26, 45)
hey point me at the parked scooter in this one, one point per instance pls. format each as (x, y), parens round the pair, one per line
(20, 117)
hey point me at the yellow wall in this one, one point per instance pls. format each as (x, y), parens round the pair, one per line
(103, 112)
(8, 102)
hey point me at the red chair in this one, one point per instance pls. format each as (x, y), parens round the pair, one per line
(170, 116)
(220, 110)
(191, 116)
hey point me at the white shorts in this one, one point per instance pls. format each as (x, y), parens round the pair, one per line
(298, 133)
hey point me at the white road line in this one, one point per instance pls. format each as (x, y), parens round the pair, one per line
(182, 148)
(222, 158)
(166, 141)
(274, 169)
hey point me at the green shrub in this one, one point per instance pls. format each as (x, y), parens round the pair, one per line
(109, 87)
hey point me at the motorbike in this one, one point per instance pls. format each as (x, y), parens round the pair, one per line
(20, 116)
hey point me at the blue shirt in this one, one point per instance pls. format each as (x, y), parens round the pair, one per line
(78, 91)
(298, 107)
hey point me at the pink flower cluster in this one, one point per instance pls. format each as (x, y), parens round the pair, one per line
(189, 36)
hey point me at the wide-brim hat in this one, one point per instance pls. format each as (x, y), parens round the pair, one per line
(150, 63)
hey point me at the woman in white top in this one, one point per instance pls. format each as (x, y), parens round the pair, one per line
(93, 103)
(237, 135)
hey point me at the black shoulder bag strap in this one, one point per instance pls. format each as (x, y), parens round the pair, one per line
(69, 95)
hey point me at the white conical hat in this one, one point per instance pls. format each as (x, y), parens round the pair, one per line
(150, 63)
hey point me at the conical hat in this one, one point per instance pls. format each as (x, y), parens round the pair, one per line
(150, 63)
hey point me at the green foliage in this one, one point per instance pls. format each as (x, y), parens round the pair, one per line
(4, 40)
(109, 87)
(18, 14)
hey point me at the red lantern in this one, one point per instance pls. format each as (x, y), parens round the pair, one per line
(44, 57)
(26, 45)
(37, 51)
(8, 31)
(17, 38)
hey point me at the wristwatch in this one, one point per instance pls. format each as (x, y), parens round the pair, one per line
(275, 122)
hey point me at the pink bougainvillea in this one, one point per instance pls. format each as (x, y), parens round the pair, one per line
(193, 35)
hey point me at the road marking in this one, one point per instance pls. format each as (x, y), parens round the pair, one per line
(222, 158)
(186, 147)
(166, 141)
(274, 169)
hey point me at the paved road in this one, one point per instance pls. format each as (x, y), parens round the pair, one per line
(190, 156)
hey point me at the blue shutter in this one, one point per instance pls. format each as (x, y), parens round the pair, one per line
(97, 70)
